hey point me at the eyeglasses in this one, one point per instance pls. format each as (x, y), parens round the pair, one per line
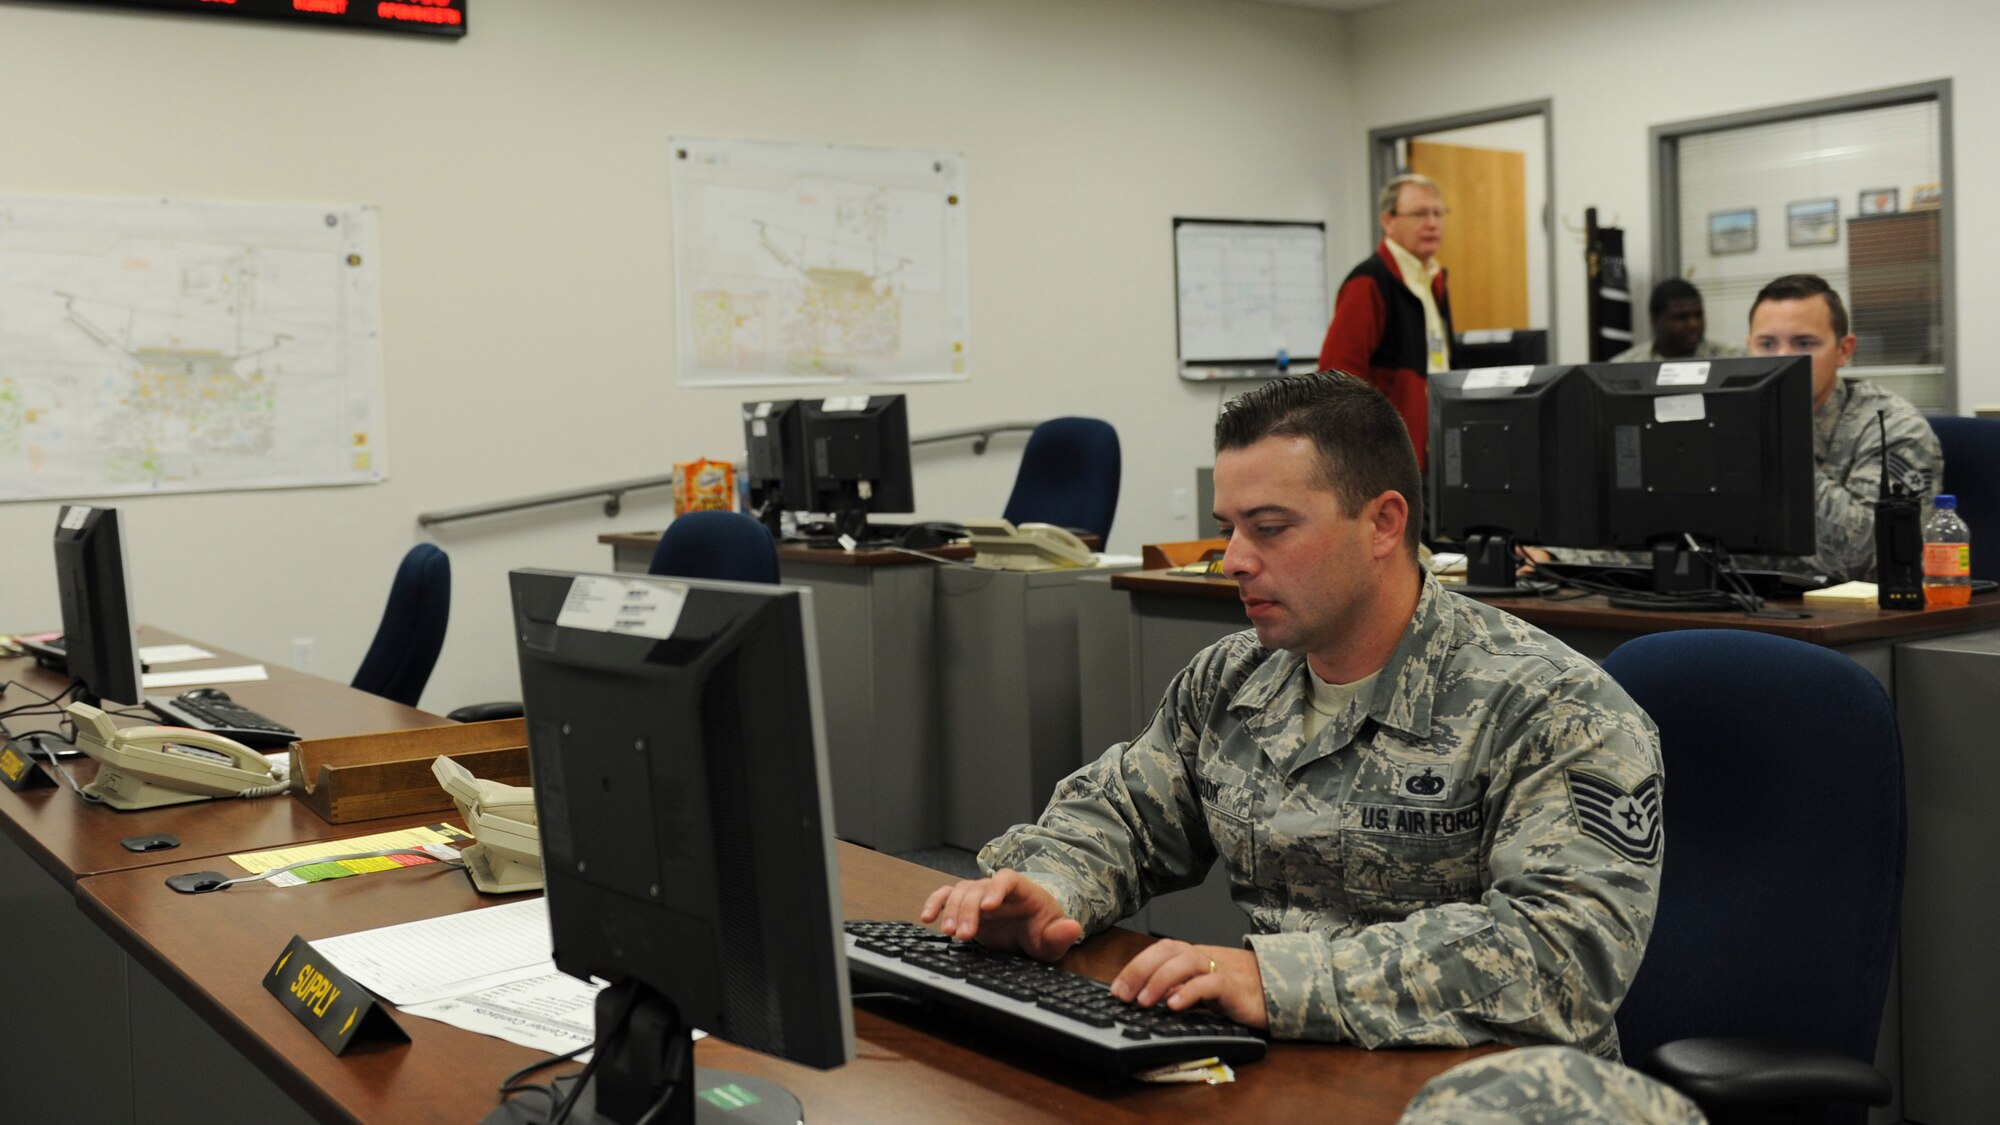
(1426, 214)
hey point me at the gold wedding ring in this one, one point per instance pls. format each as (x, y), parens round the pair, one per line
(1211, 964)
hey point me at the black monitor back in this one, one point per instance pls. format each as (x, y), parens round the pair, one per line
(1514, 449)
(1500, 347)
(680, 784)
(100, 644)
(774, 448)
(1720, 449)
(849, 440)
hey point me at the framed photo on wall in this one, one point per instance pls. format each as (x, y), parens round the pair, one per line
(1880, 201)
(1732, 232)
(1813, 222)
(1926, 197)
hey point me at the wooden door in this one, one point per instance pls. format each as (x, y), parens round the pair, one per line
(1486, 238)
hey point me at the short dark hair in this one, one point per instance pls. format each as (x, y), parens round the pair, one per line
(1798, 287)
(1667, 292)
(1364, 448)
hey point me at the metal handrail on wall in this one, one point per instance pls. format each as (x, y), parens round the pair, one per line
(614, 493)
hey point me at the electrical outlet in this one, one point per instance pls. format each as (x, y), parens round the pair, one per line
(302, 653)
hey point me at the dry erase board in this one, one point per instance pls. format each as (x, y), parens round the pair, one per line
(1252, 296)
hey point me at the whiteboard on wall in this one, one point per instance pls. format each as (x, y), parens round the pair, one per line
(818, 263)
(161, 345)
(1251, 296)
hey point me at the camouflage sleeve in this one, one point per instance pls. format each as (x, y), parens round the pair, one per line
(1848, 487)
(1547, 1086)
(1570, 884)
(1129, 825)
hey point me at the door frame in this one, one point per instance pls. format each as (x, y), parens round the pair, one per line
(1385, 160)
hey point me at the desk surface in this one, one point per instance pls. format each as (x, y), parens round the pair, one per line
(211, 951)
(1831, 625)
(70, 838)
(799, 553)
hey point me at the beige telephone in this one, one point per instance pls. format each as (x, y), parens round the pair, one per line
(1031, 546)
(508, 856)
(147, 767)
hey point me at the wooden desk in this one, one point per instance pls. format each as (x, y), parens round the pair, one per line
(211, 951)
(119, 1037)
(69, 838)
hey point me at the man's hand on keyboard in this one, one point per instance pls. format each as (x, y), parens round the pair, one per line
(1185, 975)
(1007, 911)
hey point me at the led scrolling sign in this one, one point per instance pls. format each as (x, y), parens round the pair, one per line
(420, 17)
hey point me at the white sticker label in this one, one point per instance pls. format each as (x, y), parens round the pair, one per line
(1683, 374)
(74, 515)
(617, 605)
(759, 427)
(1679, 408)
(764, 409)
(837, 405)
(1486, 378)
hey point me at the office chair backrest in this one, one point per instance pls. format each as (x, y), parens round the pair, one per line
(406, 644)
(725, 545)
(1784, 850)
(1068, 477)
(1972, 473)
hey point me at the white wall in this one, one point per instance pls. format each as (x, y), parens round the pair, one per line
(1615, 68)
(527, 253)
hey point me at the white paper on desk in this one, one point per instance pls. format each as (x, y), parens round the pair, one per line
(439, 958)
(551, 1011)
(1119, 560)
(172, 654)
(237, 675)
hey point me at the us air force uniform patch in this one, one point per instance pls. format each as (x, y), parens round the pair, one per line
(1421, 784)
(1628, 822)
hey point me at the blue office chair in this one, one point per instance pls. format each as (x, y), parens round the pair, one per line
(1068, 477)
(1972, 473)
(406, 644)
(1769, 961)
(722, 545)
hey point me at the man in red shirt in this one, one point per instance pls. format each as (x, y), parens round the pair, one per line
(1392, 319)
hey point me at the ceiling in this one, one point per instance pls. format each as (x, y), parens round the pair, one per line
(1332, 5)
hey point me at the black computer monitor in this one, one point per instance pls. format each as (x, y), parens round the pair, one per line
(1500, 347)
(857, 458)
(100, 644)
(679, 766)
(1513, 458)
(1700, 454)
(774, 462)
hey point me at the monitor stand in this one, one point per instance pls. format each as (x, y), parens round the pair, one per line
(1490, 565)
(652, 1053)
(1688, 567)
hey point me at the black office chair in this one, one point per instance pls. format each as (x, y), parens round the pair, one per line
(406, 644)
(723, 545)
(1762, 989)
(1068, 477)
(1972, 473)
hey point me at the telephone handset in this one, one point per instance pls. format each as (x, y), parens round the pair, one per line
(1031, 546)
(508, 856)
(147, 767)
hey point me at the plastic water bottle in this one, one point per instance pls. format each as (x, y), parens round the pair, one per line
(1947, 555)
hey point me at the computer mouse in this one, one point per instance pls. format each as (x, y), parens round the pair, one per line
(214, 693)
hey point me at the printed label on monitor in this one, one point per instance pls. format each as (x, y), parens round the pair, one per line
(74, 515)
(616, 605)
(1486, 378)
(838, 405)
(1679, 408)
(1683, 374)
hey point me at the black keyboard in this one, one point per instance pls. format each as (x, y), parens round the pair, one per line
(1070, 1016)
(219, 714)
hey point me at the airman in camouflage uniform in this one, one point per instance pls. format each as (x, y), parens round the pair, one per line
(1547, 1086)
(1801, 315)
(1466, 851)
